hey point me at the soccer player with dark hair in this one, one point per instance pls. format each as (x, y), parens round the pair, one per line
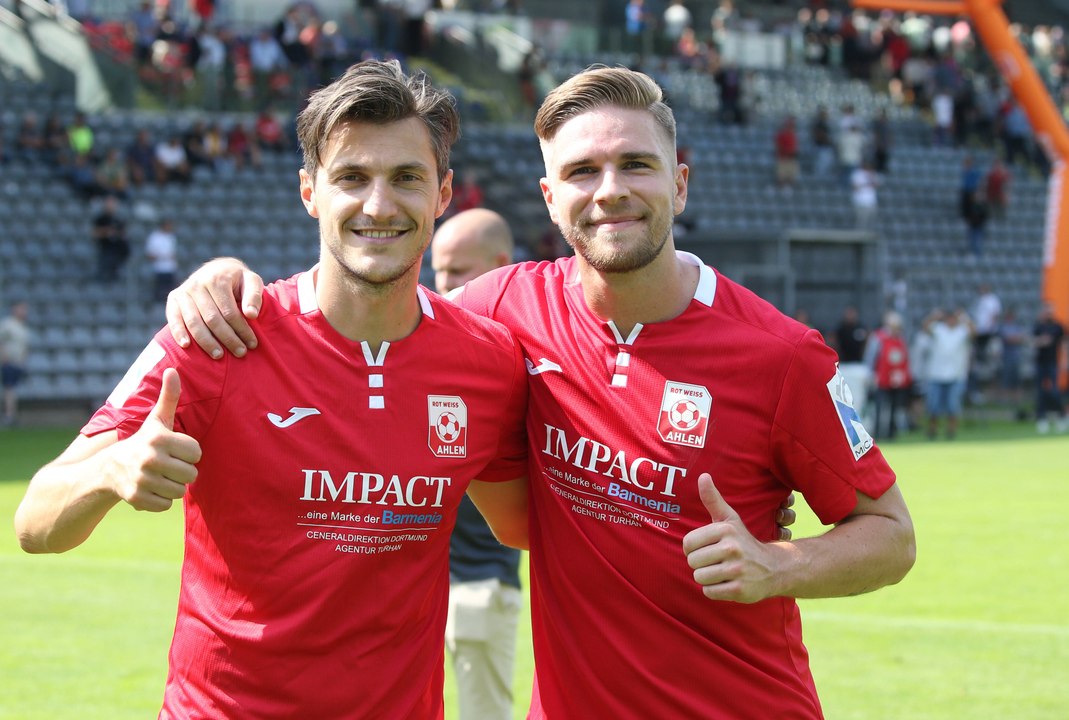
(321, 476)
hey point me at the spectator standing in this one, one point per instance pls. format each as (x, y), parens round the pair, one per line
(850, 337)
(484, 578)
(161, 250)
(675, 21)
(141, 28)
(881, 143)
(211, 69)
(976, 219)
(888, 356)
(728, 80)
(265, 58)
(1012, 335)
(943, 117)
(996, 186)
(970, 184)
(113, 248)
(864, 192)
(15, 340)
(415, 27)
(950, 335)
(986, 314)
(1016, 131)
(203, 10)
(527, 77)
(823, 143)
(635, 20)
(851, 144)
(1048, 335)
(787, 153)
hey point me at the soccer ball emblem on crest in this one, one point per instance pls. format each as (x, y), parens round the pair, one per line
(684, 415)
(447, 427)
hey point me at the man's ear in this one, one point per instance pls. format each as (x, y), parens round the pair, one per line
(547, 195)
(680, 200)
(308, 193)
(445, 193)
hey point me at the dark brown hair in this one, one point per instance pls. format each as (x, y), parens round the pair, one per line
(378, 92)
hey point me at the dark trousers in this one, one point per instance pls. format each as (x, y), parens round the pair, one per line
(889, 401)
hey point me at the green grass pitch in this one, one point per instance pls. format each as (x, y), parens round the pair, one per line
(979, 629)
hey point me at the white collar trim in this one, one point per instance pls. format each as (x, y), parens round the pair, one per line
(306, 294)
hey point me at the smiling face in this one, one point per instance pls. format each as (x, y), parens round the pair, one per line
(376, 194)
(613, 186)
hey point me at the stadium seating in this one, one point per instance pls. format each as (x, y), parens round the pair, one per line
(89, 333)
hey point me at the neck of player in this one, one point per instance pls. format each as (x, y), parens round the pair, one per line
(657, 292)
(369, 312)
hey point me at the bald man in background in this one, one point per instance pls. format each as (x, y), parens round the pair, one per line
(467, 245)
(484, 578)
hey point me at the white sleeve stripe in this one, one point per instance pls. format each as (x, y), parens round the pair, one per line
(148, 359)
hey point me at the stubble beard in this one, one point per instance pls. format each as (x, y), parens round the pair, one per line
(599, 254)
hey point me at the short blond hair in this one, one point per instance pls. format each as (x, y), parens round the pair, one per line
(601, 86)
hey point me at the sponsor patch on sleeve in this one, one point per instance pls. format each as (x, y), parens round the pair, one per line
(856, 435)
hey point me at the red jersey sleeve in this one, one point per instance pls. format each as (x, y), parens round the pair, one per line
(136, 394)
(483, 294)
(819, 445)
(511, 456)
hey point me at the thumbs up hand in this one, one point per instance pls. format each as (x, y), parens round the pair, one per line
(154, 465)
(728, 562)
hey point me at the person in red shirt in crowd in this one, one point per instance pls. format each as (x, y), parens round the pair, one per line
(269, 133)
(887, 353)
(997, 187)
(787, 153)
(240, 148)
(468, 195)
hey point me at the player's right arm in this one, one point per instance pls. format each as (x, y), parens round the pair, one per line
(205, 307)
(67, 498)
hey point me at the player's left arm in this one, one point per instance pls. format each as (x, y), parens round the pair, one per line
(505, 506)
(873, 546)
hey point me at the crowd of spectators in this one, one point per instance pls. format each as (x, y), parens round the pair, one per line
(200, 59)
(108, 175)
(983, 355)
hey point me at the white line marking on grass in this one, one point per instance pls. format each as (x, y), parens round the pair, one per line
(916, 623)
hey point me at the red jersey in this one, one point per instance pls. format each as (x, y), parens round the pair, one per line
(892, 362)
(619, 430)
(316, 574)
